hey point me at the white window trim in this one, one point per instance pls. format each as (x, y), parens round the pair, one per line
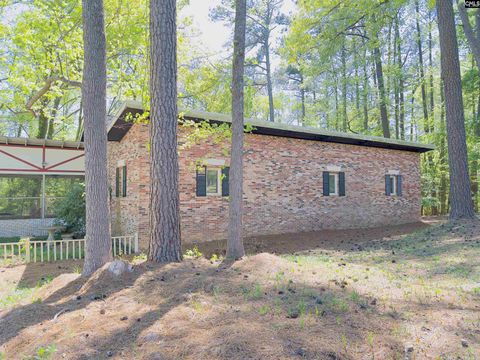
(219, 181)
(393, 172)
(215, 162)
(333, 168)
(335, 174)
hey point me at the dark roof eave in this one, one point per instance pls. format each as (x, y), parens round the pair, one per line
(120, 127)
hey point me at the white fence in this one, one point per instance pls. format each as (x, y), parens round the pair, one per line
(27, 251)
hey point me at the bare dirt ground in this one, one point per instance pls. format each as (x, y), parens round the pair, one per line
(365, 294)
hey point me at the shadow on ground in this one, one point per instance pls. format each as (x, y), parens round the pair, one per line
(253, 309)
(349, 240)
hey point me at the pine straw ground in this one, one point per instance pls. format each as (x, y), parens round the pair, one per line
(365, 299)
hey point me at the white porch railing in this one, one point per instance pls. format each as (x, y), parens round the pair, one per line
(25, 251)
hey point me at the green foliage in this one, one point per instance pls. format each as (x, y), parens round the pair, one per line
(45, 353)
(70, 211)
(21, 293)
(192, 253)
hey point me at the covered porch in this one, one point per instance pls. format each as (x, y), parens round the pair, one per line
(34, 175)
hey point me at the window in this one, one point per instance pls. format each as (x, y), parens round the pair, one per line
(20, 196)
(333, 183)
(56, 188)
(33, 196)
(121, 182)
(393, 185)
(212, 181)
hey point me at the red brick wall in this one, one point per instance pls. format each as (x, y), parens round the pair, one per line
(282, 187)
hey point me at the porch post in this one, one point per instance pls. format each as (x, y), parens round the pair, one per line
(43, 203)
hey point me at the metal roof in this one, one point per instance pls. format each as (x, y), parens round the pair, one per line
(20, 141)
(120, 126)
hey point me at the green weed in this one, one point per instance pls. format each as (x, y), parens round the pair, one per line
(192, 253)
(264, 310)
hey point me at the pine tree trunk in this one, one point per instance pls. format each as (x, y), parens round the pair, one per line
(442, 157)
(235, 248)
(357, 85)
(472, 37)
(365, 91)
(461, 204)
(344, 88)
(396, 80)
(430, 62)
(165, 241)
(381, 92)
(401, 86)
(337, 110)
(302, 98)
(422, 72)
(94, 88)
(432, 111)
(271, 106)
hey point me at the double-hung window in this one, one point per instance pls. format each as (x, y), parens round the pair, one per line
(393, 185)
(212, 181)
(121, 181)
(333, 183)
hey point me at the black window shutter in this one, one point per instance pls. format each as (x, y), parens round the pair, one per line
(202, 181)
(341, 184)
(117, 182)
(388, 191)
(225, 179)
(326, 187)
(124, 180)
(399, 185)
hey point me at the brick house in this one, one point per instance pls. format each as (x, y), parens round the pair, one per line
(296, 179)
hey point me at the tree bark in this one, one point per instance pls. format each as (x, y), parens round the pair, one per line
(381, 92)
(461, 204)
(98, 241)
(422, 72)
(235, 249)
(165, 240)
(472, 39)
(271, 106)
(430, 62)
(344, 88)
(401, 80)
(442, 157)
(365, 91)
(337, 111)
(357, 85)
(302, 98)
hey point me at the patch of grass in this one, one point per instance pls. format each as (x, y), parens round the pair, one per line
(45, 353)
(197, 305)
(309, 259)
(334, 303)
(461, 271)
(217, 291)
(22, 293)
(355, 297)
(253, 293)
(192, 253)
(139, 258)
(264, 310)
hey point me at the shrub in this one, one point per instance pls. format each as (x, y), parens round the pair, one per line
(70, 211)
